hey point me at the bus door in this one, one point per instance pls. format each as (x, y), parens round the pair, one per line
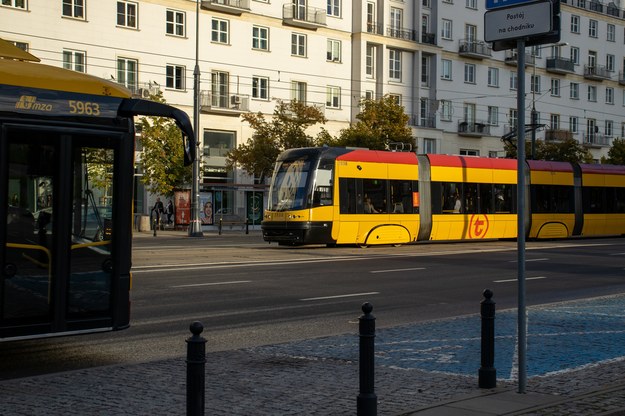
(58, 263)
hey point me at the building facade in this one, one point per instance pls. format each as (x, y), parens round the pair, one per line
(460, 95)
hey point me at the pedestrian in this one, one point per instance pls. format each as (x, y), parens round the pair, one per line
(158, 209)
(169, 210)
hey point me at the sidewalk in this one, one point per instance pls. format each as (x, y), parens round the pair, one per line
(576, 366)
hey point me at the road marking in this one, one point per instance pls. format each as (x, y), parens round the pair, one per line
(514, 280)
(235, 282)
(617, 254)
(528, 260)
(396, 270)
(351, 295)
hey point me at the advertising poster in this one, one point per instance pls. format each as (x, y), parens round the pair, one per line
(183, 207)
(254, 207)
(206, 211)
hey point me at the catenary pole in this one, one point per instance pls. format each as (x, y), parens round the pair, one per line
(195, 229)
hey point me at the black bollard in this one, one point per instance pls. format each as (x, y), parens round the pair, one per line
(220, 225)
(487, 378)
(247, 226)
(155, 226)
(367, 402)
(196, 360)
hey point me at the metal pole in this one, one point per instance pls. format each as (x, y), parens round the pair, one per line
(534, 115)
(195, 228)
(367, 400)
(521, 320)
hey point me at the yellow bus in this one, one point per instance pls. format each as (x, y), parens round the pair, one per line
(355, 196)
(66, 181)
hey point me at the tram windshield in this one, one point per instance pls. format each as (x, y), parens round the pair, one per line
(289, 185)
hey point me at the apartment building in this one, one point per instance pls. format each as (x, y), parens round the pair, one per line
(461, 95)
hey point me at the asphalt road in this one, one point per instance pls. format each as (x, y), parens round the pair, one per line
(248, 293)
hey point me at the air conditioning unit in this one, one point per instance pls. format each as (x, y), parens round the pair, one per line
(143, 93)
(235, 100)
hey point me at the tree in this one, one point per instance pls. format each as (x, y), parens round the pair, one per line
(380, 123)
(286, 130)
(566, 150)
(162, 160)
(616, 154)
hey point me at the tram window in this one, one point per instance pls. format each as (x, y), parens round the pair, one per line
(594, 200)
(470, 205)
(322, 194)
(552, 198)
(401, 197)
(375, 190)
(487, 202)
(350, 199)
(619, 200)
(451, 197)
(504, 198)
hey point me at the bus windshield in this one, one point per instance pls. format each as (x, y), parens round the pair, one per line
(289, 185)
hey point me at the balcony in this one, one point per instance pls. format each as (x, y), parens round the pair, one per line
(428, 38)
(376, 29)
(405, 34)
(512, 58)
(596, 140)
(596, 72)
(473, 129)
(475, 49)
(558, 135)
(143, 89)
(304, 17)
(234, 7)
(232, 104)
(621, 78)
(559, 65)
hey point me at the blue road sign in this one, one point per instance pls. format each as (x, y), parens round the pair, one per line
(495, 4)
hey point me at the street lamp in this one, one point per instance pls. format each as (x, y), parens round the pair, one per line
(534, 114)
(195, 229)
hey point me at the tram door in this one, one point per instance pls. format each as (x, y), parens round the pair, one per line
(57, 260)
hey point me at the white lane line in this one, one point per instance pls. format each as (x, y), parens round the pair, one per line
(396, 270)
(514, 280)
(617, 254)
(528, 260)
(235, 282)
(351, 295)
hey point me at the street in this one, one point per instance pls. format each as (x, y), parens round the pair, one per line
(248, 293)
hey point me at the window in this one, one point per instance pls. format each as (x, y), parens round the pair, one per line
(446, 110)
(446, 69)
(260, 38)
(334, 8)
(610, 62)
(469, 73)
(396, 22)
(369, 95)
(574, 24)
(513, 80)
(573, 124)
(74, 60)
(493, 77)
(609, 128)
(592, 28)
(298, 44)
(493, 115)
(127, 14)
(471, 4)
(575, 55)
(219, 31)
(370, 61)
(334, 50)
(220, 82)
(425, 71)
(260, 88)
(555, 87)
(22, 45)
(394, 65)
(175, 24)
(218, 144)
(592, 93)
(127, 71)
(513, 117)
(611, 33)
(554, 120)
(429, 145)
(396, 98)
(574, 91)
(333, 97)
(609, 95)
(174, 77)
(73, 8)
(469, 152)
(298, 91)
(535, 84)
(18, 4)
(446, 29)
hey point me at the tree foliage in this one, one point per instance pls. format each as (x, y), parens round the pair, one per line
(380, 123)
(286, 130)
(567, 150)
(163, 160)
(616, 154)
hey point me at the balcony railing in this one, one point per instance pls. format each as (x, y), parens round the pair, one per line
(429, 38)
(231, 103)
(512, 58)
(560, 65)
(596, 6)
(236, 7)
(596, 140)
(596, 72)
(621, 78)
(475, 49)
(306, 17)
(375, 28)
(558, 135)
(406, 34)
(473, 128)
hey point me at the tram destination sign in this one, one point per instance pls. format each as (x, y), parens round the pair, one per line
(517, 22)
(495, 4)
